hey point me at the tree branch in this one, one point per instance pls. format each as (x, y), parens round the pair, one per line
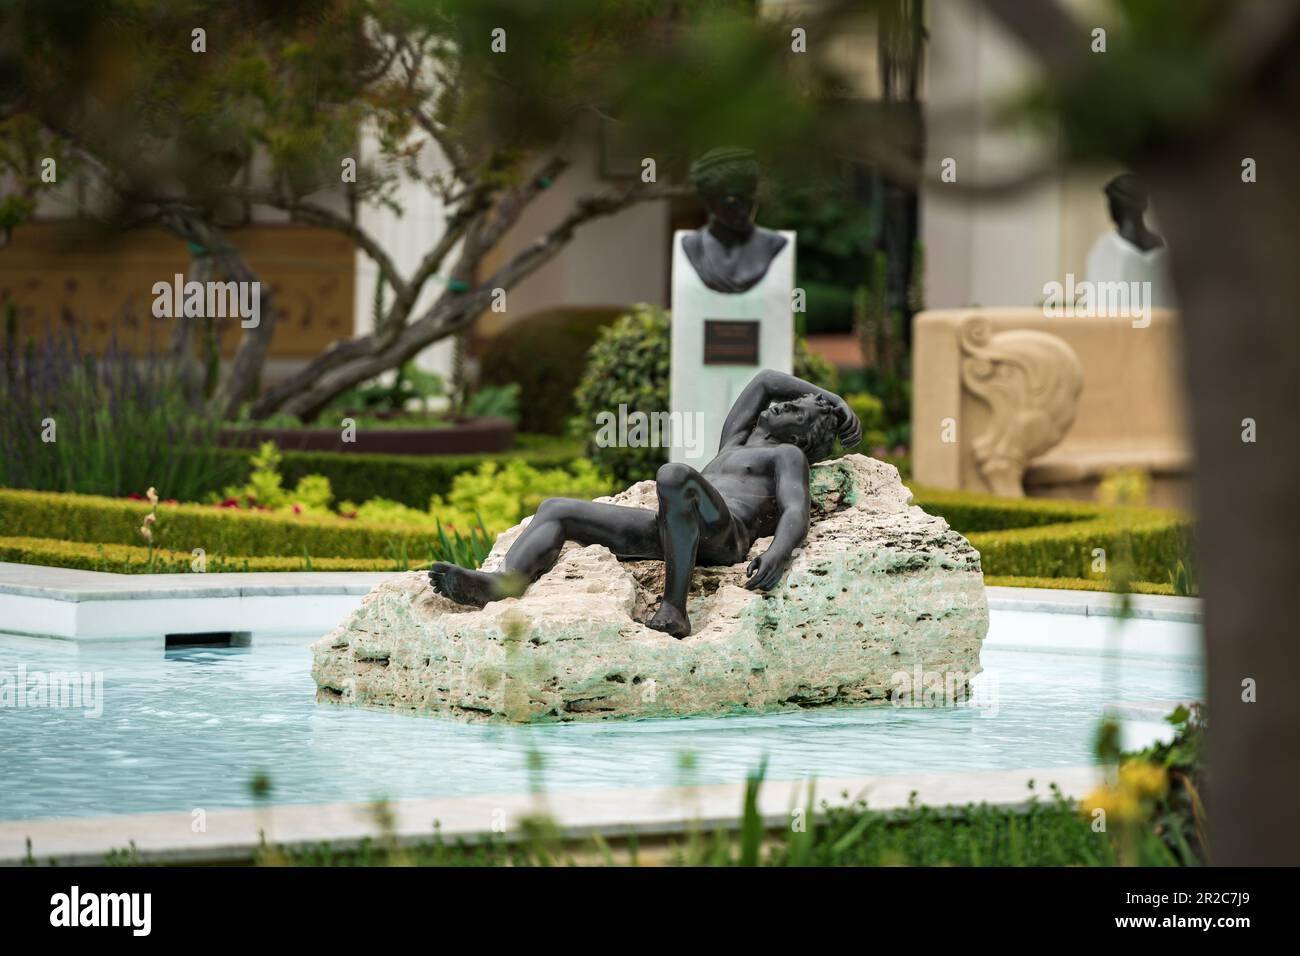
(315, 215)
(325, 378)
(1043, 27)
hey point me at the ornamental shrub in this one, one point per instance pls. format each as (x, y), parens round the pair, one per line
(265, 486)
(499, 497)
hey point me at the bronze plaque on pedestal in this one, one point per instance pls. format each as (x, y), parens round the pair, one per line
(730, 342)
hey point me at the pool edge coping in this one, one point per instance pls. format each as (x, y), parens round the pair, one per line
(1155, 607)
(236, 834)
(80, 586)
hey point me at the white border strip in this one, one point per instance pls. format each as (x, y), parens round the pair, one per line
(234, 835)
(1153, 607)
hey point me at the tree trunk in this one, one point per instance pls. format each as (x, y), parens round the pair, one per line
(446, 318)
(184, 360)
(217, 256)
(243, 378)
(1236, 267)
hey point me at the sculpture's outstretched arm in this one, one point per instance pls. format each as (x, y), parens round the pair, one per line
(794, 499)
(770, 386)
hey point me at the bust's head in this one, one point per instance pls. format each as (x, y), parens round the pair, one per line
(808, 422)
(1127, 198)
(727, 182)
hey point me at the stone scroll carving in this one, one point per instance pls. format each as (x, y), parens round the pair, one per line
(1031, 381)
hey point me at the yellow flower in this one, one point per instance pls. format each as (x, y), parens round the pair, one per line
(1144, 779)
(1129, 799)
(1120, 805)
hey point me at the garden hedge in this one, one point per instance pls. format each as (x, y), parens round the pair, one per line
(969, 512)
(409, 479)
(1152, 547)
(1021, 538)
(228, 531)
(1048, 538)
(128, 559)
(1074, 584)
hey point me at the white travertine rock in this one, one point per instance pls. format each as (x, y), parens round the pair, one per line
(878, 589)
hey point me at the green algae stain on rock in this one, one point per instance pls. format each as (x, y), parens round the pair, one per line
(832, 487)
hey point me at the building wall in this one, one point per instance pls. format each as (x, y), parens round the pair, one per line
(62, 276)
(995, 251)
(406, 237)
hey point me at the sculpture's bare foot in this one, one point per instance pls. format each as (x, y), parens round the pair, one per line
(464, 586)
(670, 620)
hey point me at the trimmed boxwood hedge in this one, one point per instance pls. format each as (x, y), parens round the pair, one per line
(127, 559)
(969, 512)
(1154, 546)
(94, 519)
(409, 479)
(1074, 584)
(1048, 538)
(1022, 538)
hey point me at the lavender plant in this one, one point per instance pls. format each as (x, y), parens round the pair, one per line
(110, 424)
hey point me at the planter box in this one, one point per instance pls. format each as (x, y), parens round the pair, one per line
(471, 436)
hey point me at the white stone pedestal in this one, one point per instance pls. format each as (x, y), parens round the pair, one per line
(702, 394)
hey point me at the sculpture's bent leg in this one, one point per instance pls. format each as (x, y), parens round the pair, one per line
(628, 532)
(691, 515)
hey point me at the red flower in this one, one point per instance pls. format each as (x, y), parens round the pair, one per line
(297, 509)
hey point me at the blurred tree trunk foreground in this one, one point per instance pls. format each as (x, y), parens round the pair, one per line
(1235, 252)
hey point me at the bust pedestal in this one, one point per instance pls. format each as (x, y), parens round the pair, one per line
(719, 341)
(1114, 259)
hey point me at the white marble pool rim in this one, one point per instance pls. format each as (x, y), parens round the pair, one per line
(1152, 607)
(235, 835)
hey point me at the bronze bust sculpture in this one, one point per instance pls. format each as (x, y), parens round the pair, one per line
(1126, 199)
(756, 486)
(729, 252)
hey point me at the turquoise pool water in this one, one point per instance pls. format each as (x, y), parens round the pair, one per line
(190, 728)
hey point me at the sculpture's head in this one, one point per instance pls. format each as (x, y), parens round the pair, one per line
(808, 422)
(727, 182)
(1127, 198)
